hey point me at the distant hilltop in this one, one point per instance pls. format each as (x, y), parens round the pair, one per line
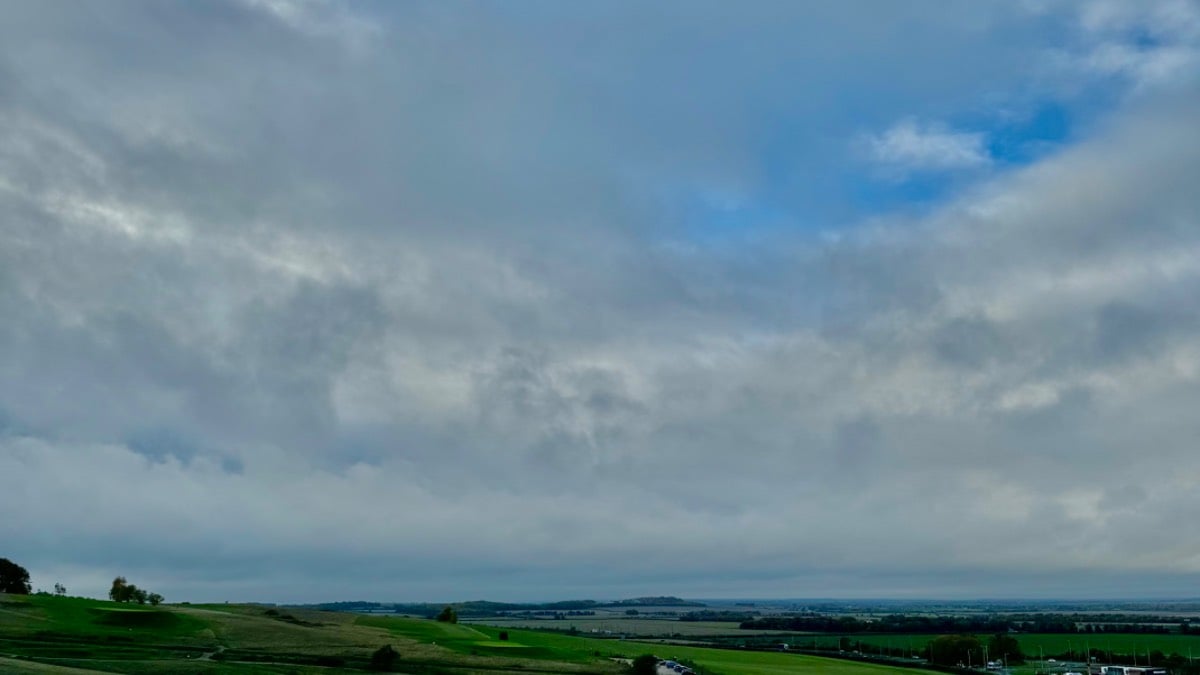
(480, 608)
(659, 601)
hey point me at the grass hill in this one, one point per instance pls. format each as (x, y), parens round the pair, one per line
(46, 634)
(41, 632)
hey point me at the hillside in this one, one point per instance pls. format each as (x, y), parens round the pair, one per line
(98, 636)
(45, 634)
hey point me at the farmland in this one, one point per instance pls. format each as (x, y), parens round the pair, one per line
(44, 634)
(1049, 644)
(632, 627)
(715, 661)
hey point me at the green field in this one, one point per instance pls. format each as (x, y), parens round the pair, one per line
(1050, 644)
(711, 661)
(630, 626)
(43, 634)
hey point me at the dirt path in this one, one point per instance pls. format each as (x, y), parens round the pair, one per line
(208, 656)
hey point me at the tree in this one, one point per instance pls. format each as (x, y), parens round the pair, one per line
(123, 591)
(14, 578)
(646, 664)
(60, 590)
(951, 650)
(1004, 647)
(448, 615)
(384, 658)
(119, 591)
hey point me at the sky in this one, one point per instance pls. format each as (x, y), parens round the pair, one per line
(305, 300)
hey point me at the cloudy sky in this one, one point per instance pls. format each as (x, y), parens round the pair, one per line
(305, 301)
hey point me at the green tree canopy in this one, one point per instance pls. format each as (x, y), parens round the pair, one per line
(448, 615)
(951, 650)
(646, 664)
(14, 578)
(1002, 646)
(123, 591)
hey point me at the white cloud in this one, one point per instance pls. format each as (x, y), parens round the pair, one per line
(908, 146)
(1151, 45)
(321, 18)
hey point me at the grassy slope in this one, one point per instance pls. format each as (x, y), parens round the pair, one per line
(103, 636)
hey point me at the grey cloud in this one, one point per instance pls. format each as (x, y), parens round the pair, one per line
(420, 305)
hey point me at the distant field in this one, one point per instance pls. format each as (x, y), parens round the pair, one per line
(1049, 643)
(712, 661)
(630, 626)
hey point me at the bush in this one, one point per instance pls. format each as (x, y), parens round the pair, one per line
(646, 664)
(384, 658)
(448, 615)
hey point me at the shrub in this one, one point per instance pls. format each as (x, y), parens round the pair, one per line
(646, 664)
(384, 658)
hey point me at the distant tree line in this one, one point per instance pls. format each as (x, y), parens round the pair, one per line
(484, 608)
(655, 601)
(717, 615)
(895, 623)
(936, 625)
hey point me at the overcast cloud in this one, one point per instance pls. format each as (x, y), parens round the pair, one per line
(307, 301)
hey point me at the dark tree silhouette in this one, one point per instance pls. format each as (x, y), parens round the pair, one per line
(14, 578)
(123, 591)
(646, 664)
